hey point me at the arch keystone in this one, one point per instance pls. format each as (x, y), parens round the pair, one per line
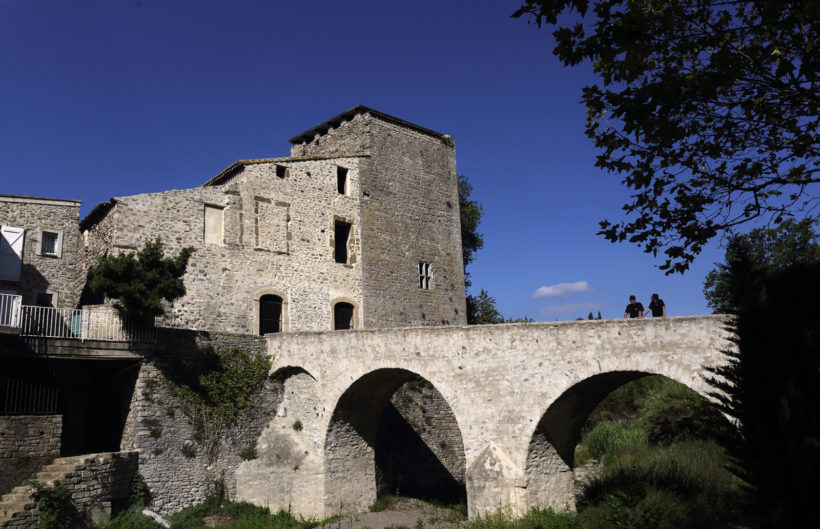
(495, 483)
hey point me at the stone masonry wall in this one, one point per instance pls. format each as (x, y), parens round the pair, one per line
(54, 274)
(173, 461)
(428, 461)
(94, 482)
(29, 435)
(277, 239)
(410, 214)
(24, 438)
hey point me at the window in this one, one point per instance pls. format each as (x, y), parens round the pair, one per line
(45, 299)
(270, 314)
(48, 243)
(341, 234)
(425, 275)
(11, 252)
(343, 316)
(341, 180)
(282, 171)
(213, 224)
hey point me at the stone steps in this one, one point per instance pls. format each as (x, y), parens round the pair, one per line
(20, 500)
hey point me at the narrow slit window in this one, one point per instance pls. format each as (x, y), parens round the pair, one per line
(341, 236)
(341, 180)
(425, 275)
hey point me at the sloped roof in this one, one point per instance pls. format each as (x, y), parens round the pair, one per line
(335, 121)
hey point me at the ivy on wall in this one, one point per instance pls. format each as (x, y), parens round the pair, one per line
(225, 388)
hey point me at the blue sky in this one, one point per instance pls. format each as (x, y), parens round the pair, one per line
(102, 98)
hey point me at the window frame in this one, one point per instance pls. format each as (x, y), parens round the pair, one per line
(58, 243)
(425, 275)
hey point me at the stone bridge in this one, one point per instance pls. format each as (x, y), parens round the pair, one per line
(519, 395)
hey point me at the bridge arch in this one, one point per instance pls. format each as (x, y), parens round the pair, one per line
(354, 473)
(551, 451)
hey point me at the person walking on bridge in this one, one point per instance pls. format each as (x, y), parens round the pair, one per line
(634, 309)
(657, 306)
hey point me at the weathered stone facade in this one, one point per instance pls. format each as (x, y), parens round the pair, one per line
(275, 227)
(48, 267)
(410, 215)
(172, 460)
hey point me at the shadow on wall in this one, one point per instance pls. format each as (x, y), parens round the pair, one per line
(406, 465)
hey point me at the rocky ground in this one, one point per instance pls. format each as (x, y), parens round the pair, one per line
(405, 513)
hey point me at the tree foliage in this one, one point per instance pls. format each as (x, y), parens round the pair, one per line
(708, 109)
(214, 398)
(139, 282)
(790, 243)
(770, 384)
(471, 213)
(481, 309)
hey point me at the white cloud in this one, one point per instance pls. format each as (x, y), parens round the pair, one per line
(567, 308)
(561, 290)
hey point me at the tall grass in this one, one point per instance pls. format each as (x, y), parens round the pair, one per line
(534, 519)
(660, 464)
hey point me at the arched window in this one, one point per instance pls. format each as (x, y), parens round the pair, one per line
(270, 314)
(343, 316)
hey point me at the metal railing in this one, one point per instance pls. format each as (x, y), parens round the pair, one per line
(82, 324)
(10, 310)
(19, 397)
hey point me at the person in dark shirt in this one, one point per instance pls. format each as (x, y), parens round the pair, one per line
(634, 309)
(657, 306)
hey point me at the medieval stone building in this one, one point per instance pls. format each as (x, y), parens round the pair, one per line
(359, 227)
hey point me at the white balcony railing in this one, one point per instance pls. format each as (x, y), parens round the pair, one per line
(97, 323)
(10, 310)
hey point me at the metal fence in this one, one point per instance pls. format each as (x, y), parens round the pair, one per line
(84, 324)
(18, 397)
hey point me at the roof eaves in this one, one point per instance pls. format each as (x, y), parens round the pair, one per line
(335, 121)
(97, 214)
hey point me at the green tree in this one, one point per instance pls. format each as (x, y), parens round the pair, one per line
(790, 243)
(481, 309)
(769, 385)
(471, 213)
(707, 109)
(139, 282)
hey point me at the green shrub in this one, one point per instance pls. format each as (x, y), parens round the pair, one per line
(57, 511)
(222, 392)
(384, 503)
(685, 485)
(249, 452)
(676, 413)
(297, 425)
(610, 437)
